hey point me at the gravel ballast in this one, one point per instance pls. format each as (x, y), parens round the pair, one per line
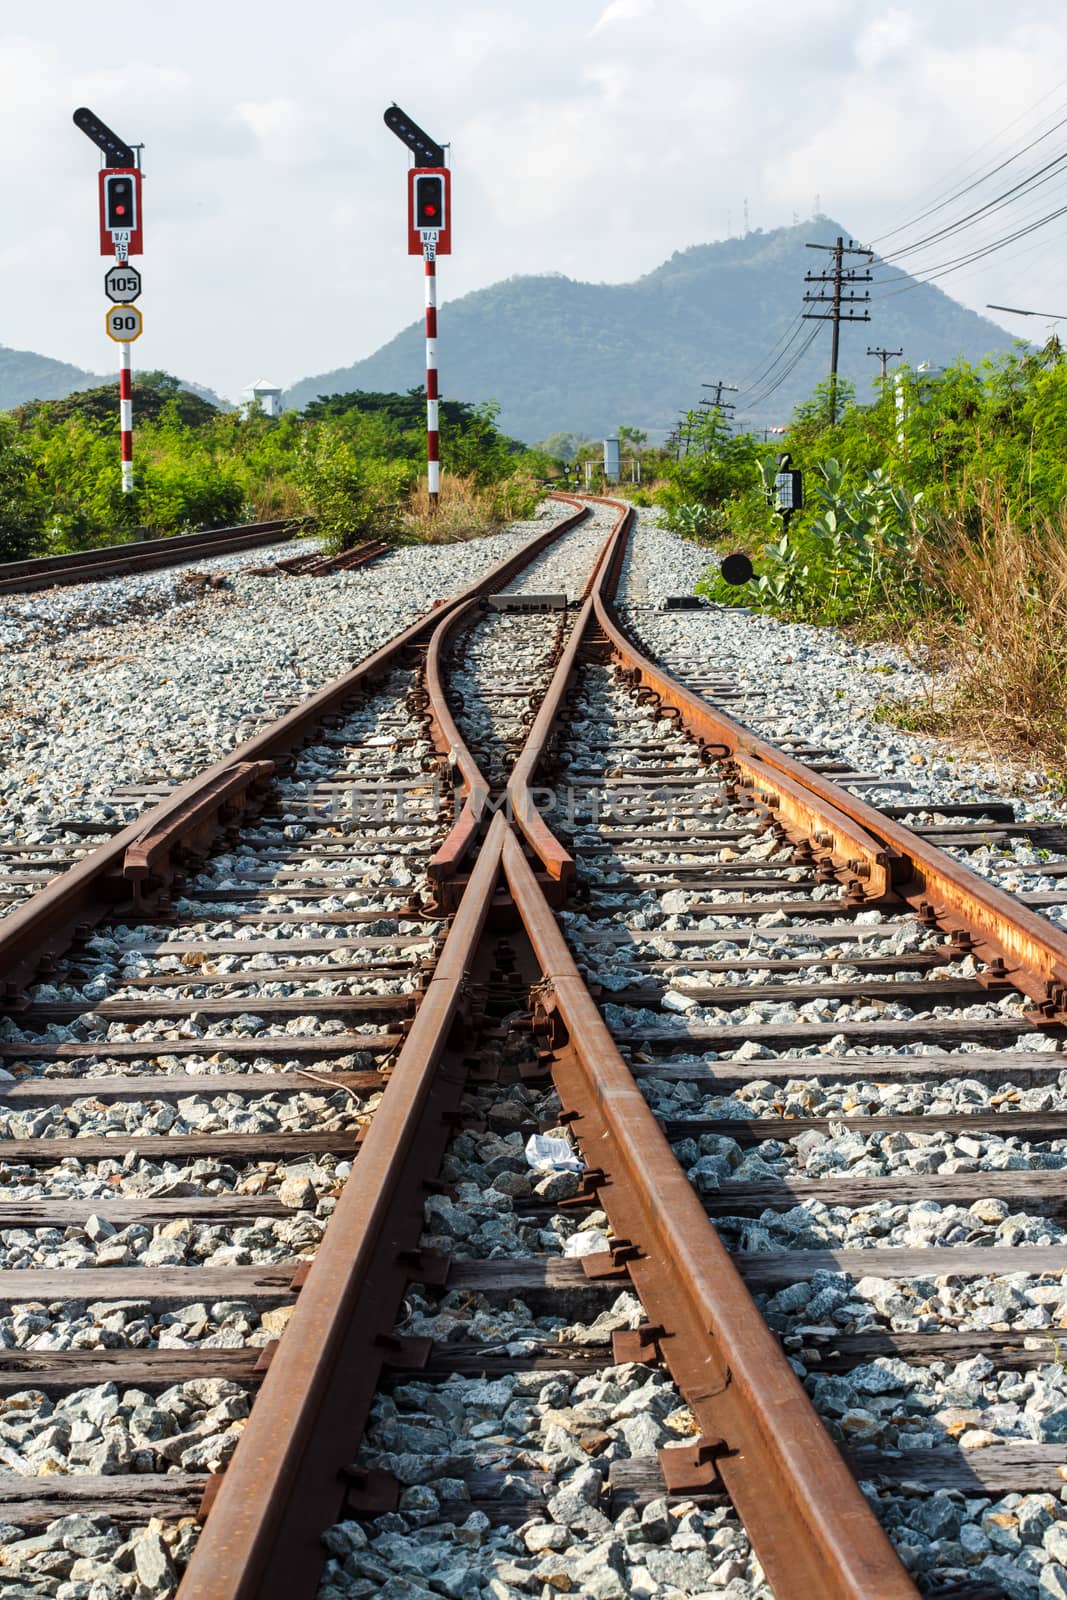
(142, 685)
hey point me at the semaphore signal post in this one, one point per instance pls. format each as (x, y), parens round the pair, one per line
(120, 236)
(429, 236)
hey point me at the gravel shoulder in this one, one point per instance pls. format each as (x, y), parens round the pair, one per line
(817, 682)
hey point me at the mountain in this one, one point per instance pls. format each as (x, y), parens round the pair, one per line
(585, 357)
(26, 376)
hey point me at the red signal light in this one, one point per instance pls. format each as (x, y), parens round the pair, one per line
(429, 210)
(429, 199)
(120, 209)
(118, 199)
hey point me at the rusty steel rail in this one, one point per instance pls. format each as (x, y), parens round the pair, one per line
(288, 1479)
(761, 1439)
(141, 555)
(320, 566)
(849, 845)
(45, 925)
(886, 858)
(450, 742)
(558, 863)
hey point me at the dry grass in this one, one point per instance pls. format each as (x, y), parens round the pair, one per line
(276, 498)
(464, 511)
(1005, 641)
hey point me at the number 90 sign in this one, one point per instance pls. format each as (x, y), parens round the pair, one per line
(124, 323)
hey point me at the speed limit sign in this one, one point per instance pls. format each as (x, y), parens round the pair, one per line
(124, 323)
(122, 284)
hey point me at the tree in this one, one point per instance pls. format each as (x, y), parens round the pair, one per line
(21, 501)
(632, 437)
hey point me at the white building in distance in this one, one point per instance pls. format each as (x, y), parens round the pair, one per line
(269, 396)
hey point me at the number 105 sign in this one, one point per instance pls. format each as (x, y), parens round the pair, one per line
(124, 323)
(122, 284)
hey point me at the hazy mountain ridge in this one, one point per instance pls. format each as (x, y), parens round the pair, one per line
(26, 376)
(562, 354)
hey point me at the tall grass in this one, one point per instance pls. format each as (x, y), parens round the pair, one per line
(465, 510)
(998, 621)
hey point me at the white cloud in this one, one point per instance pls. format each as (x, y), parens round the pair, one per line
(885, 37)
(620, 11)
(591, 136)
(136, 81)
(282, 129)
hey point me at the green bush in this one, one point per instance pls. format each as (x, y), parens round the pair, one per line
(352, 498)
(850, 558)
(21, 503)
(354, 461)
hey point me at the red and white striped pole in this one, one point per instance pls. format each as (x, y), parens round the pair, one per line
(433, 451)
(126, 415)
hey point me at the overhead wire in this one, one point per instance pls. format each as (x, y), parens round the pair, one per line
(766, 379)
(943, 269)
(1036, 180)
(790, 335)
(758, 399)
(958, 194)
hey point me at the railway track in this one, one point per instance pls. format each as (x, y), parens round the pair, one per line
(799, 1074)
(148, 555)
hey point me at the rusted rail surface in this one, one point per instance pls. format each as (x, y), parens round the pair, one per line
(884, 855)
(760, 1437)
(287, 1480)
(145, 555)
(46, 923)
(761, 1440)
(450, 742)
(324, 566)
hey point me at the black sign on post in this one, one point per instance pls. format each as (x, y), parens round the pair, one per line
(789, 490)
(117, 151)
(427, 152)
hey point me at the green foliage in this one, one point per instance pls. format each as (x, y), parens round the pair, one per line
(880, 481)
(21, 505)
(631, 440)
(949, 433)
(563, 446)
(154, 393)
(354, 465)
(407, 411)
(850, 559)
(475, 449)
(352, 498)
(696, 521)
(717, 466)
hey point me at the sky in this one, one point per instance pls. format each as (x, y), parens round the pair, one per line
(588, 137)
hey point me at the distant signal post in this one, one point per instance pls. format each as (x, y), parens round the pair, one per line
(429, 236)
(120, 236)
